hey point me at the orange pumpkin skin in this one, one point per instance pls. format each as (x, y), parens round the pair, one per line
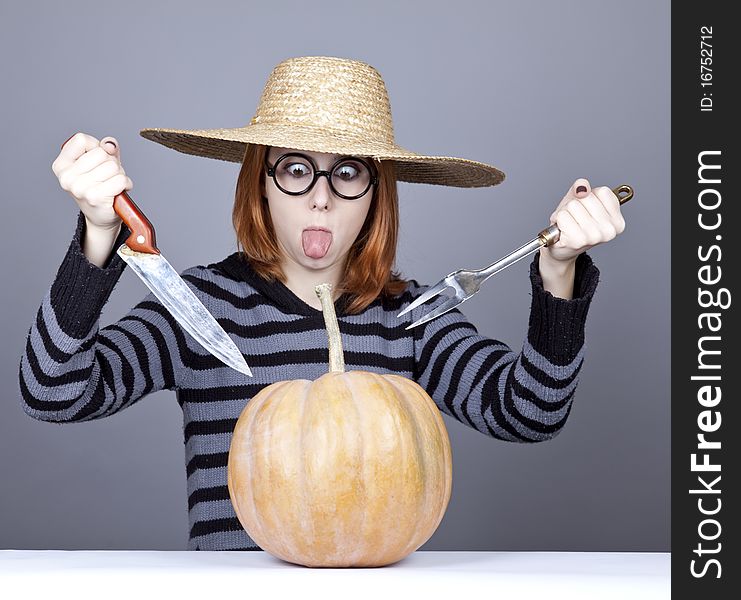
(352, 469)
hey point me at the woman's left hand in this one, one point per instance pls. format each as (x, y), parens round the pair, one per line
(586, 217)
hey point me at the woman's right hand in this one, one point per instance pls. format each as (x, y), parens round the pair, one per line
(90, 170)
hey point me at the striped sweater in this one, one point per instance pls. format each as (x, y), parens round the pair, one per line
(72, 370)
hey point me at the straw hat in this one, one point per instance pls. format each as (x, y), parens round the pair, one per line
(327, 104)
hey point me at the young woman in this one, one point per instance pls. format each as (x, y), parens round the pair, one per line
(316, 201)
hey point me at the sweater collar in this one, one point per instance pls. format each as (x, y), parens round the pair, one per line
(238, 267)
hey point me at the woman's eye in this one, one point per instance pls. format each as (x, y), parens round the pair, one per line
(347, 171)
(297, 169)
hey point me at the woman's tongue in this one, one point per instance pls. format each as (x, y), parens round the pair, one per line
(316, 243)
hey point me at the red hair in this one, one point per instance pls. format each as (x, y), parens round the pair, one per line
(368, 269)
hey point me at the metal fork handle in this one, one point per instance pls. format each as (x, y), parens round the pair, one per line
(546, 237)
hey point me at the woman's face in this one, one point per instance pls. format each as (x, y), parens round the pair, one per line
(296, 218)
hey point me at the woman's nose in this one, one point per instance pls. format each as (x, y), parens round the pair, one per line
(321, 195)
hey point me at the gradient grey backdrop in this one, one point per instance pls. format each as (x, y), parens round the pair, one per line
(547, 91)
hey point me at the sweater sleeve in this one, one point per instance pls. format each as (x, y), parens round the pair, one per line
(71, 370)
(482, 382)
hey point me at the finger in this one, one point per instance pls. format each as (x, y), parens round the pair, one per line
(589, 233)
(570, 231)
(72, 149)
(579, 189)
(79, 184)
(595, 205)
(89, 161)
(115, 185)
(110, 145)
(611, 204)
(603, 220)
(68, 139)
(104, 171)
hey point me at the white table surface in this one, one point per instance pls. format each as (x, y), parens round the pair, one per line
(424, 575)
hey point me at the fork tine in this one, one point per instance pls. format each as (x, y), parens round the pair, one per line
(443, 308)
(432, 292)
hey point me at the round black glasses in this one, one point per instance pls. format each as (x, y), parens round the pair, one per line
(295, 174)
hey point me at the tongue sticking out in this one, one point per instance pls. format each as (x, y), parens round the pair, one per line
(316, 243)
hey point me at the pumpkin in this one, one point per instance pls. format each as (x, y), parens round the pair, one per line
(352, 469)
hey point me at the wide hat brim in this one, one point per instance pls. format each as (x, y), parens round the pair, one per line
(231, 144)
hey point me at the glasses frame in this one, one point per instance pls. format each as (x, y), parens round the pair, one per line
(328, 174)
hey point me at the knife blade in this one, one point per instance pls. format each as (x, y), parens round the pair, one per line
(141, 253)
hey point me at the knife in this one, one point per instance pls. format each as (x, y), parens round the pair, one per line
(141, 253)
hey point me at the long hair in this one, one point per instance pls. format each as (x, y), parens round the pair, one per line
(368, 270)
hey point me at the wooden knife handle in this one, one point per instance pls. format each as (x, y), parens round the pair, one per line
(142, 238)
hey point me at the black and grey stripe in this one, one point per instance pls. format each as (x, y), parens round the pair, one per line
(72, 370)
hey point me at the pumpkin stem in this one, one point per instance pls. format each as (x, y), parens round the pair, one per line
(336, 357)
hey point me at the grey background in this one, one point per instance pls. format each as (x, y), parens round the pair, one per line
(546, 91)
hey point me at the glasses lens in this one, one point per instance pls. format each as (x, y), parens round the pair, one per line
(294, 174)
(351, 177)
